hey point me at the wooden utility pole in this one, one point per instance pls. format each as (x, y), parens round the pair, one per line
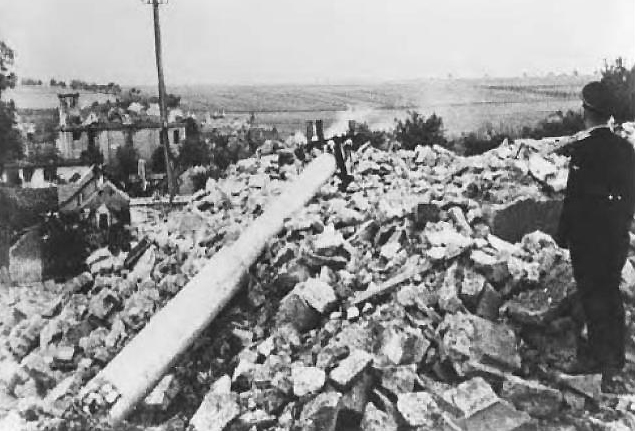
(162, 106)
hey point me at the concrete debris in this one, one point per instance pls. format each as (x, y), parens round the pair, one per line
(471, 397)
(321, 413)
(469, 337)
(163, 393)
(418, 409)
(354, 401)
(588, 385)
(215, 412)
(531, 396)
(403, 345)
(350, 368)
(307, 380)
(398, 379)
(363, 313)
(377, 420)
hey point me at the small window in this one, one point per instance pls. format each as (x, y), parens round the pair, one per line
(177, 137)
(50, 174)
(103, 221)
(27, 174)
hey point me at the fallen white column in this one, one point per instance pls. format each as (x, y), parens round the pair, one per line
(144, 361)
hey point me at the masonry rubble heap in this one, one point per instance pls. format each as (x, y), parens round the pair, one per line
(391, 306)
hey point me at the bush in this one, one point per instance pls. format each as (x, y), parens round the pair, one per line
(557, 124)
(364, 134)
(127, 163)
(194, 152)
(92, 156)
(200, 175)
(417, 130)
(621, 84)
(473, 144)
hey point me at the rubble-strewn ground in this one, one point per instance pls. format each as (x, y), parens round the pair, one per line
(390, 306)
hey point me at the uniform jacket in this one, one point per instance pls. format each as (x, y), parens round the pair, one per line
(600, 196)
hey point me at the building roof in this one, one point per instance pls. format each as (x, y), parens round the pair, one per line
(120, 126)
(107, 194)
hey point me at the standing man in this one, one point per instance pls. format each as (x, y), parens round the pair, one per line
(596, 217)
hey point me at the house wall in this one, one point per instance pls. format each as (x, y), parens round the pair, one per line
(25, 258)
(108, 142)
(70, 148)
(146, 141)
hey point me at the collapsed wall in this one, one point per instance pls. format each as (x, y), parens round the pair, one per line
(392, 305)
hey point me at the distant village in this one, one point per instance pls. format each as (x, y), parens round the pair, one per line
(87, 163)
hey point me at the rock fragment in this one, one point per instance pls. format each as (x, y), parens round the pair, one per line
(307, 380)
(350, 368)
(321, 413)
(377, 420)
(531, 396)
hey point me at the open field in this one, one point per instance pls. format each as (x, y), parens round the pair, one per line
(464, 105)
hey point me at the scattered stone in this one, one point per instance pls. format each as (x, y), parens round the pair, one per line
(574, 400)
(588, 385)
(398, 379)
(471, 396)
(163, 393)
(257, 419)
(532, 397)
(418, 409)
(354, 401)
(376, 420)
(489, 303)
(317, 293)
(627, 285)
(472, 337)
(403, 345)
(296, 312)
(215, 412)
(307, 380)
(321, 413)
(500, 416)
(458, 217)
(493, 268)
(352, 313)
(350, 368)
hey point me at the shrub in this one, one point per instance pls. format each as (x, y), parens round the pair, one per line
(364, 134)
(194, 152)
(127, 163)
(557, 124)
(417, 130)
(92, 156)
(200, 175)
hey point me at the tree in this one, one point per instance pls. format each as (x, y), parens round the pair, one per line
(417, 130)
(158, 160)
(92, 156)
(7, 77)
(194, 152)
(10, 139)
(621, 84)
(127, 161)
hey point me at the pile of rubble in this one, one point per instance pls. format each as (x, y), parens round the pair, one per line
(394, 305)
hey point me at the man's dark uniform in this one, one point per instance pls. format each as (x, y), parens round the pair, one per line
(595, 221)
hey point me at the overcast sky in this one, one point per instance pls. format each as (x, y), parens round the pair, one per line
(273, 41)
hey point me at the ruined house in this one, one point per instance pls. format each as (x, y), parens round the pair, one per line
(107, 131)
(96, 199)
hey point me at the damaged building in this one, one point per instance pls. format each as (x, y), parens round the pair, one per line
(111, 128)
